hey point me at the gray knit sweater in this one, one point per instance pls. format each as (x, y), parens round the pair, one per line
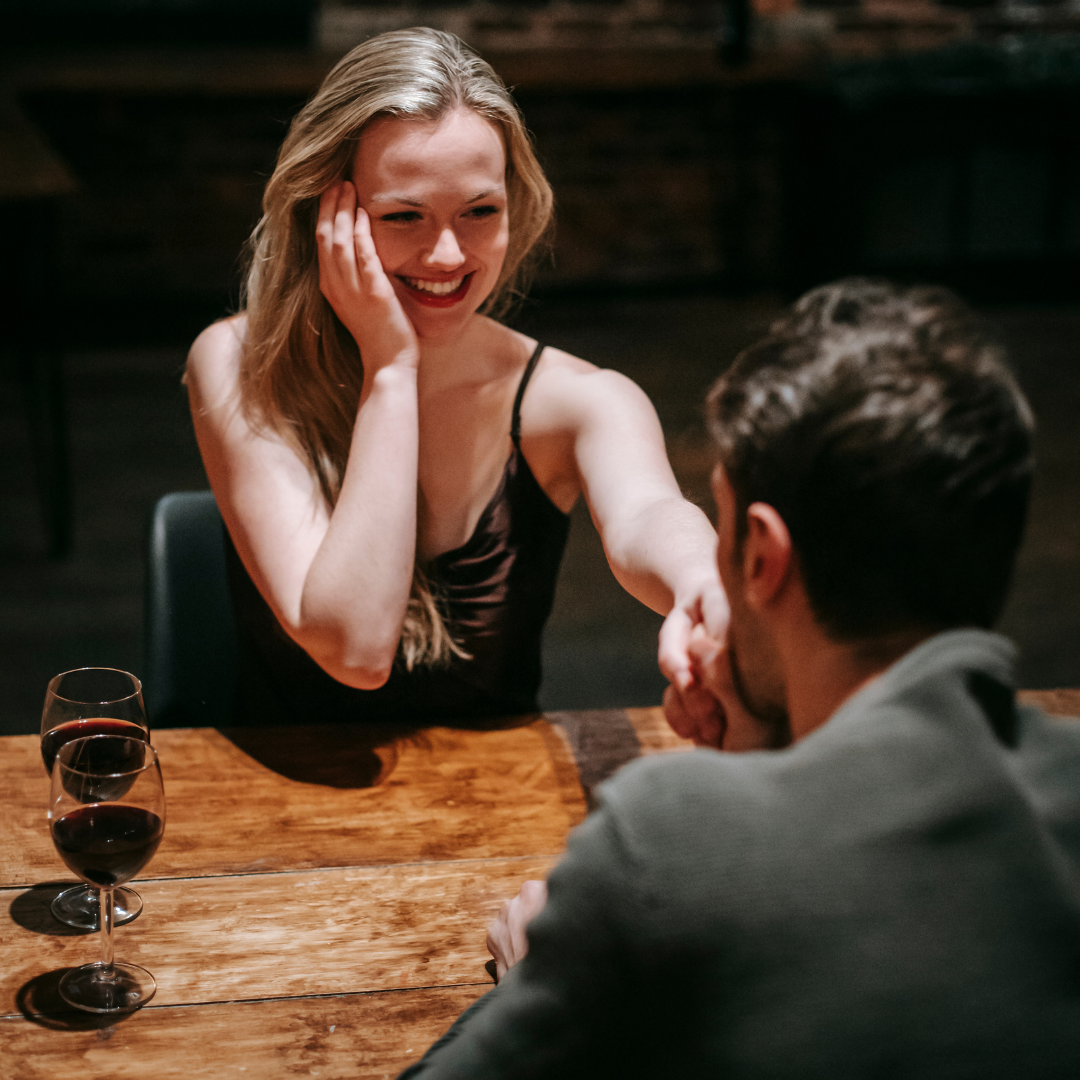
(896, 895)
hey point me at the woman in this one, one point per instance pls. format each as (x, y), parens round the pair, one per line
(395, 467)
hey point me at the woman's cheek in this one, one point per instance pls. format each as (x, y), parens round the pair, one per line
(503, 241)
(388, 248)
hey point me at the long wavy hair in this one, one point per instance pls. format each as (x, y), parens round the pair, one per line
(300, 370)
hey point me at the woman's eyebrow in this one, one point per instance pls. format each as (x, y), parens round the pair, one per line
(411, 200)
(405, 200)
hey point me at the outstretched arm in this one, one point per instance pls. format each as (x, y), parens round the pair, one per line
(661, 548)
(337, 580)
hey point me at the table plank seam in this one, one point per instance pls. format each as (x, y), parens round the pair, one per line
(307, 870)
(257, 1000)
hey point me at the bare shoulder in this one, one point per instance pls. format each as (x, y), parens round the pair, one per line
(563, 365)
(569, 391)
(213, 362)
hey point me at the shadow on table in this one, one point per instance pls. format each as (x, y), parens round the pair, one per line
(40, 1002)
(32, 910)
(344, 755)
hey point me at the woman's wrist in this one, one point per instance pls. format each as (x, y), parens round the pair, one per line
(704, 598)
(391, 380)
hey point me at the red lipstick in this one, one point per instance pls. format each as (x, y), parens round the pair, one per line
(443, 301)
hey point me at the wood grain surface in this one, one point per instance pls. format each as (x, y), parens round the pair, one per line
(449, 795)
(315, 910)
(355, 1036)
(245, 937)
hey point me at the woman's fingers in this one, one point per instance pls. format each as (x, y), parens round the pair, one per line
(324, 229)
(352, 279)
(715, 611)
(339, 277)
(673, 655)
(324, 236)
(337, 264)
(368, 263)
(704, 611)
(344, 253)
(344, 219)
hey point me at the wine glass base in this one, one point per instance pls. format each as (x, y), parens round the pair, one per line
(78, 907)
(121, 988)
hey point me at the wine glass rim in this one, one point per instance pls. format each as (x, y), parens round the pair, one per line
(103, 775)
(107, 701)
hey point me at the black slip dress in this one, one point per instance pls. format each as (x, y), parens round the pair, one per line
(496, 592)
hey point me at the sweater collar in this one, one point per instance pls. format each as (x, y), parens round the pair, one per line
(952, 651)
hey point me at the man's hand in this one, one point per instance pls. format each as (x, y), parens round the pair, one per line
(691, 707)
(506, 939)
(695, 714)
(710, 711)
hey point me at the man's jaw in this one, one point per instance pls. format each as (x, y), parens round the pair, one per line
(433, 292)
(772, 720)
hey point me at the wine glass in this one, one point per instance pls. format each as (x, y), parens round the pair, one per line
(91, 701)
(107, 817)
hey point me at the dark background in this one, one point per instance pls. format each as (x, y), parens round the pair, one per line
(696, 195)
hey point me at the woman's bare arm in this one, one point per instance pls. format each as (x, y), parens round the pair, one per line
(337, 581)
(661, 548)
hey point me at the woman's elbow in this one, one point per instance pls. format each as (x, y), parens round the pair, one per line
(362, 677)
(363, 665)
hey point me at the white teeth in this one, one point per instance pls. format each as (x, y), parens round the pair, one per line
(436, 288)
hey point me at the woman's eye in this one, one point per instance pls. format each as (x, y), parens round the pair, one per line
(481, 211)
(401, 215)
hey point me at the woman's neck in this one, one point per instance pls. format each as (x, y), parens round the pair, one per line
(475, 353)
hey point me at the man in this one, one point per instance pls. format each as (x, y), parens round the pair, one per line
(884, 883)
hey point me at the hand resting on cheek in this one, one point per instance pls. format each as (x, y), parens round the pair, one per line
(352, 278)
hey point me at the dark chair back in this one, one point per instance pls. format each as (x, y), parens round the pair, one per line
(189, 635)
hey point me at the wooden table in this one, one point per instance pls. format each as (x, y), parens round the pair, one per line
(317, 910)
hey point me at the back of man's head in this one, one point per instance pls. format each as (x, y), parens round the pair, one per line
(882, 425)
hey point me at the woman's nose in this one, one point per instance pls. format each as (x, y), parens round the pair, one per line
(446, 251)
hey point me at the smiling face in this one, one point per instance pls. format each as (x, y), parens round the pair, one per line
(435, 193)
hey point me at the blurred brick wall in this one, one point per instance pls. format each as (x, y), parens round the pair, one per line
(652, 188)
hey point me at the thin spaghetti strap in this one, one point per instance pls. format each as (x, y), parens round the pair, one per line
(515, 420)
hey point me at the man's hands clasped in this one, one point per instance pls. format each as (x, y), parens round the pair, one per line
(506, 939)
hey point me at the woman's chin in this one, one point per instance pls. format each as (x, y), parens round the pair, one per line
(437, 323)
(440, 324)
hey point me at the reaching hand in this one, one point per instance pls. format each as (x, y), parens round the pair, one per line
(705, 610)
(691, 710)
(711, 711)
(352, 279)
(691, 707)
(506, 940)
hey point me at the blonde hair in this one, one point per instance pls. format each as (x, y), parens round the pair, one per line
(300, 371)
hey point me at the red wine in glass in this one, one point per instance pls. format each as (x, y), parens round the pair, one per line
(106, 841)
(53, 739)
(79, 703)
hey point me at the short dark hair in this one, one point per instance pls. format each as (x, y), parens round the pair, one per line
(883, 426)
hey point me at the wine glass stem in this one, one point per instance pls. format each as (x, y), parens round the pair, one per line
(105, 899)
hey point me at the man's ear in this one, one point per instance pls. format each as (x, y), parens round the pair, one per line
(767, 555)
